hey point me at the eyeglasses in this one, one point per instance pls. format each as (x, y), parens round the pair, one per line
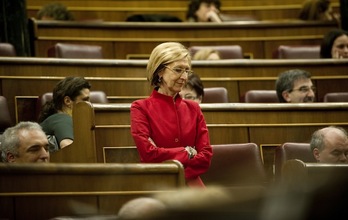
(190, 97)
(305, 89)
(180, 71)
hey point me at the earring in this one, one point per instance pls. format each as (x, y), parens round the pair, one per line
(160, 80)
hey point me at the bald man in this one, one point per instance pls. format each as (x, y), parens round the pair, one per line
(330, 145)
(141, 208)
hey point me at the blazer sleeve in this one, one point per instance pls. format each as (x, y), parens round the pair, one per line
(148, 151)
(201, 162)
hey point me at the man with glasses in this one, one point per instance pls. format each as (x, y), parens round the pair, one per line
(295, 86)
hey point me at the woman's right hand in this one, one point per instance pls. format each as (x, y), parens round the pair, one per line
(213, 16)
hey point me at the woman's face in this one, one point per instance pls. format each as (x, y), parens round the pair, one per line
(213, 56)
(203, 11)
(174, 77)
(340, 48)
(189, 93)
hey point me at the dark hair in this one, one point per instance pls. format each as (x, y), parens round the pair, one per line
(285, 81)
(56, 11)
(194, 81)
(328, 41)
(314, 9)
(70, 86)
(194, 6)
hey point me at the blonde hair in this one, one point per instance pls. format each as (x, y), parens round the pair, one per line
(162, 55)
(203, 54)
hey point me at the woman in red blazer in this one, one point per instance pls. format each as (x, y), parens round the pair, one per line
(165, 126)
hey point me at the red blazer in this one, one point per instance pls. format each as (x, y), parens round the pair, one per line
(162, 127)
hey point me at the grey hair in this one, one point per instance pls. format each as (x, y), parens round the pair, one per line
(10, 142)
(318, 138)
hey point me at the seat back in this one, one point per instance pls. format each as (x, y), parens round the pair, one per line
(95, 97)
(7, 50)
(215, 95)
(226, 52)
(5, 118)
(235, 165)
(297, 52)
(261, 96)
(336, 97)
(62, 50)
(288, 151)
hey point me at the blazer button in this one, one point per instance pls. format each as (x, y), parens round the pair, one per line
(176, 140)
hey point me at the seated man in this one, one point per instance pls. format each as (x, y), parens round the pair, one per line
(330, 145)
(24, 143)
(295, 86)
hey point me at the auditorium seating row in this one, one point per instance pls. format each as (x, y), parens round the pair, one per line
(24, 79)
(120, 40)
(120, 10)
(62, 50)
(211, 95)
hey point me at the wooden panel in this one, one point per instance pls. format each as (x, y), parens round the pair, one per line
(121, 155)
(258, 38)
(301, 174)
(64, 186)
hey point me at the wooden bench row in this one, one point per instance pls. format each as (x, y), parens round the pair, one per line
(122, 40)
(22, 80)
(45, 191)
(120, 10)
(102, 131)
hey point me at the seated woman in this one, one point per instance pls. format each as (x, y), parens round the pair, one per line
(55, 11)
(204, 11)
(317, 10)
(209, 11)
(56, 115)
(193, 89)
(335, 45)
(207, 54)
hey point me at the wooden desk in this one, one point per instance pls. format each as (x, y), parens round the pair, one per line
(44, 191)
(27, 78)
(119, 39)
